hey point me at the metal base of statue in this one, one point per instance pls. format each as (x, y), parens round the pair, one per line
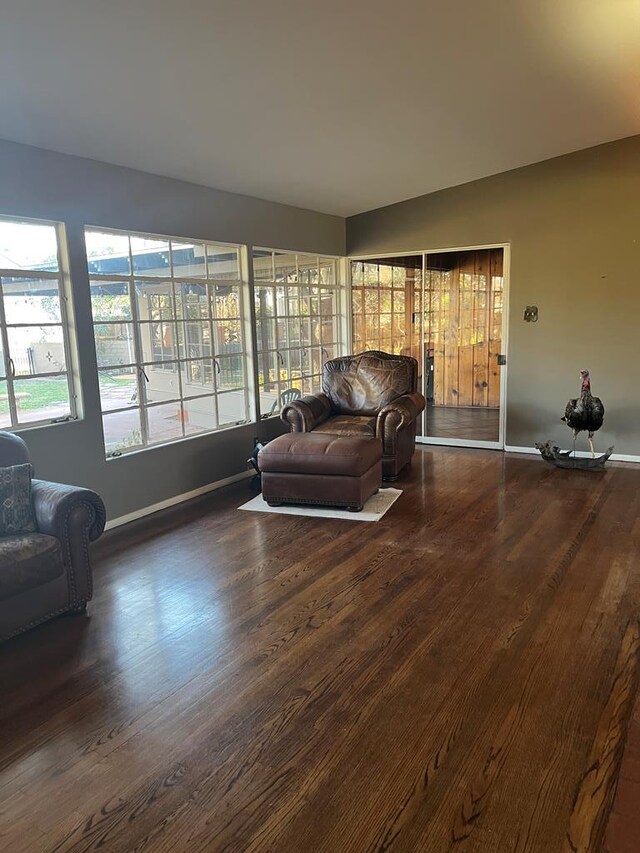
(552, 454)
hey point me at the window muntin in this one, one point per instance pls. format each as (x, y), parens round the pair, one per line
(36, 384)
(298, 322)
(169, 332)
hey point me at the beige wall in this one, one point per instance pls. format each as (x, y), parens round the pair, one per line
(574, 228)
(76, 191)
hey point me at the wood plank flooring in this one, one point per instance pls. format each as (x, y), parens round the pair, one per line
(457, 677)
(466, 423)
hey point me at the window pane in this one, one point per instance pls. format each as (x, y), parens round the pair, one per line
(328, 352)
(385, 272)
(227, 337)
(328, 302)
(291, 301)
(312, 385)
(27, 245)
(308, 331)
(31, 300)
(110, 301)
(164, 423)
(265, 312)
(371, 300)
(118, 388)
(161, 383)
(197, 377)
(36, 349)
(308, 269)
(308, 301)
(195, 339)
(327, 271)
(150, 256)
(114, 344)
(188, 259)
(370, 274)
(285, 267)
(107, 254)
(122, 431)
(399, 276)
(5, 414)
(192, 301)
(199, 415)
(232, 407)
(316, 360)
(154, 301)
(262, 265)
(230, 372)
(41, 399)
(294, 332)
(223, 262)
(268, 372)
(158, 341)
(329, 331)
(226, 301)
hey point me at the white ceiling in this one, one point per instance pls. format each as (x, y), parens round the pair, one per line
(335, 105)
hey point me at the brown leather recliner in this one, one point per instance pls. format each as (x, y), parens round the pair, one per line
(47, 573)
(372, 393)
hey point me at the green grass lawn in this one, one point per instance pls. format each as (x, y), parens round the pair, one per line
(44, 393)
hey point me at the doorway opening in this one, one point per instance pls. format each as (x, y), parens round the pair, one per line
(447, 310)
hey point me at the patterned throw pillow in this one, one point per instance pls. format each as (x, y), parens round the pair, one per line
(16, 508)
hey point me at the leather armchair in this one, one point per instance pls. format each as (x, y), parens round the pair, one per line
(372, 393)
(47, 573)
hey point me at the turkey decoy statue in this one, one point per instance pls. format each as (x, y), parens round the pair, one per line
(584, 414)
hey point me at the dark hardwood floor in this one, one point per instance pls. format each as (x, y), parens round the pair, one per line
(456, 677)
(464, 423)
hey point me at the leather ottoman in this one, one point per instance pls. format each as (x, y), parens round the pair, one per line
(319, 468)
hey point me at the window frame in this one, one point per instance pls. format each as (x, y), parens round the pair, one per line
(62, 277)
(177, 365)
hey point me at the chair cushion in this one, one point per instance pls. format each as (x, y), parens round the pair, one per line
(314, 453)
(16, 506)
(348, 425)
(27, 561)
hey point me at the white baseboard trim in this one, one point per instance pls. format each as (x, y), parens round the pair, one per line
(176, 499)
(458, 442)
(583, 454)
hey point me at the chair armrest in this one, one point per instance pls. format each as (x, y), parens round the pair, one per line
(307, 413)
(61, 509)
(398, 413)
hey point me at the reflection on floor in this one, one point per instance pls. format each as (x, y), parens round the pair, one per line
(463, 423)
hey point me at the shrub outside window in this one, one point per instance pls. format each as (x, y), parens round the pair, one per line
(169, 331)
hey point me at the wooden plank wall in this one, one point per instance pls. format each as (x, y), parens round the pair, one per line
(463, 319)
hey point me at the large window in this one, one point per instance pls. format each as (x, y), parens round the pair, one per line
(297, 302)
(169, 330)
(35, 376)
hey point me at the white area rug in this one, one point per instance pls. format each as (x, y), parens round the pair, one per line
(373, 510)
